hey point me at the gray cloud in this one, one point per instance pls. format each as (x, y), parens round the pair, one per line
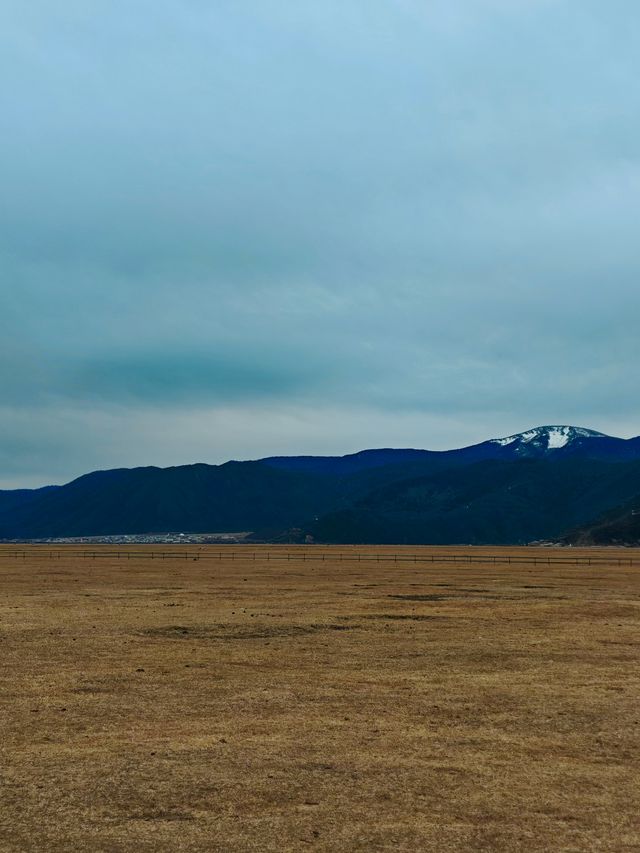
(420, 216)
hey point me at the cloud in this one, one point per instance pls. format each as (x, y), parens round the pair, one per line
(421, 212)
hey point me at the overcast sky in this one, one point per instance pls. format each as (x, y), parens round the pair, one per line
(249, 227)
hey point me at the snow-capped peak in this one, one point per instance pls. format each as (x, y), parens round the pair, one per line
(548, 437)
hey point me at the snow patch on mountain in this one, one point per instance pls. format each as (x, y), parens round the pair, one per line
(504, 441)
(548, 437)
(557, 438)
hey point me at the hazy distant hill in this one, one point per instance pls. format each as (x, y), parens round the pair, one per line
(11, 498)
(532, 485)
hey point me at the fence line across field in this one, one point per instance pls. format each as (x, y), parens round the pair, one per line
(306, 556)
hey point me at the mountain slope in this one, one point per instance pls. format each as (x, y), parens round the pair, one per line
(620, 526)
(492, 502)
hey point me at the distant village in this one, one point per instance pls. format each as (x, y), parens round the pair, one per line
(143, 539)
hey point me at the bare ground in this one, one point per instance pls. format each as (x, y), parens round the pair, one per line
(241, 705)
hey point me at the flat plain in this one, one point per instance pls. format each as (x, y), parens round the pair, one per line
(328, 699)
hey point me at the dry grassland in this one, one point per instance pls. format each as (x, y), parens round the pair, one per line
(241, 705)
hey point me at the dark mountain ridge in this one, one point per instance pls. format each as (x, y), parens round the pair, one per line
(545, 441)
(196, 498)
(532, 485)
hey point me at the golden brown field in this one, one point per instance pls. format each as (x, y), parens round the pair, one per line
(237, 705)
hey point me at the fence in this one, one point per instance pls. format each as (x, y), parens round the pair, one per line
(308, 556)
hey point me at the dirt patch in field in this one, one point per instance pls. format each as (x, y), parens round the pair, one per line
(427, 597)
(417, 617)
(237, 632)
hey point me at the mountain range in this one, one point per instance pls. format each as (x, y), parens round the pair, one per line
(552, 482)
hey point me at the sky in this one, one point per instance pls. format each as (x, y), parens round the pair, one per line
(255, 227)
